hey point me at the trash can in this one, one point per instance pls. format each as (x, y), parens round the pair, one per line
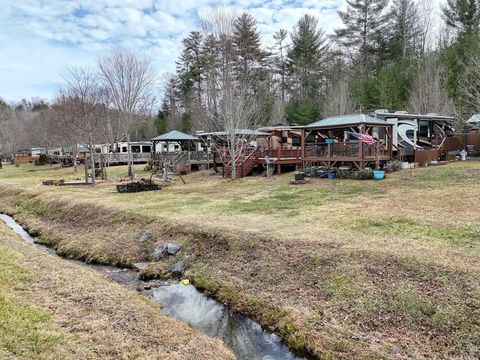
(299, 176)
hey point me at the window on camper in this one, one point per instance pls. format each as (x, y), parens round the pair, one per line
(146, 148)
(423, 128)
(135, 148)
(296, 141)
(124, 149)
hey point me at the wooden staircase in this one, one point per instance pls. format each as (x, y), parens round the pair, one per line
(243, 167)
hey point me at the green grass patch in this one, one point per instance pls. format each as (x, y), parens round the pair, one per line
(25, 331)
(467, 236)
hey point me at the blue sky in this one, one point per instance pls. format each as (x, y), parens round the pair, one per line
(39, 40)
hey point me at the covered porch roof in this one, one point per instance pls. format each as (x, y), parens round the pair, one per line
(174, 135)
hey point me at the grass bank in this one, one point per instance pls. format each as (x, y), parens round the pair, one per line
(52, 309)
(345, 269)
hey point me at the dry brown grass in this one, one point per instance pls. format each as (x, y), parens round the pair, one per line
(90, 317)
(348, 269)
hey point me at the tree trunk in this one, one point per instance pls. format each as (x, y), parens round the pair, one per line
(92, 161)
(75, 154)
(129, 155)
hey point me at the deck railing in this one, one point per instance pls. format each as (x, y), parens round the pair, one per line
(280, 153)
(347, 150)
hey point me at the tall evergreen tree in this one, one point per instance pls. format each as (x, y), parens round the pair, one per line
(463, 15)
(280, 37)
(309, 47)
(363, 22)
(249, 56)
(404, 23)
(161, 121)
(189, 71)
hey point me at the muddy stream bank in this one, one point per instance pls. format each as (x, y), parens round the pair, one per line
(242, 335)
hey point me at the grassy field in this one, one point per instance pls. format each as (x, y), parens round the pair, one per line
(52, 309)
(345, 268)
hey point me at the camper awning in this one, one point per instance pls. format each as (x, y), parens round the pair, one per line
(346, 120)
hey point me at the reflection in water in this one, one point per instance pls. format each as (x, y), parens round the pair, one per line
(12, 224)
(244, 336)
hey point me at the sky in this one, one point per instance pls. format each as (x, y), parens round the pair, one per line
(41, 39)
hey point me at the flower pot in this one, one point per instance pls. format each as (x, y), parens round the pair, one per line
(378, 175)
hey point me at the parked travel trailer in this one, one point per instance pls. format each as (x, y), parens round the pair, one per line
(421, 137)
(136, 147)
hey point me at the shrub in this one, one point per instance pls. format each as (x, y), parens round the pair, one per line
(312, 171)
(345, 174)
(364, 174)
(149, 166)
(392, 166)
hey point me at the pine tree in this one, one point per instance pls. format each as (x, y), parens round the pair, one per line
(462, 15)
(405, 31)
(280, 36)
(249, 56)
(309, 47)
(189, 68)
(161, 121)
(363, 22)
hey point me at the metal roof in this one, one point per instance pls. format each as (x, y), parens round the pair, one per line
(346, 120)
(406, 115)
(475, 119)
(174, 135)
(80, 149)
(239, 132)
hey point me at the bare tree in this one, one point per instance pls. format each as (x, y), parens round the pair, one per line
(15, 128)
(426, 25)
(237, 119)
(233, 117)
(428, 93)
(278, 115)
(129, 80)
(338, 99)
(81, 109)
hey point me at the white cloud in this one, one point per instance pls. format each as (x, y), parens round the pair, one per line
(40, 39)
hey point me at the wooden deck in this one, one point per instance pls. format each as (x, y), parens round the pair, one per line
(354, 152)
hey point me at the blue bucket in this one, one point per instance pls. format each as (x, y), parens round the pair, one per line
(332, 176)
(378, 175)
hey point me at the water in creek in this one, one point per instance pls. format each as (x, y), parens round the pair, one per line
(244, 336)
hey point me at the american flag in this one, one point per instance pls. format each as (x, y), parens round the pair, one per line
(367, 139)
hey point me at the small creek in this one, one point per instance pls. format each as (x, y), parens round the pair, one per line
(244, 336)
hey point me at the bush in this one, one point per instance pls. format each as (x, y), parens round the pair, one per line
(392, 166)
(149, 166)
(42, 160)
(365, 174)
(312, 171)
(345, 174)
